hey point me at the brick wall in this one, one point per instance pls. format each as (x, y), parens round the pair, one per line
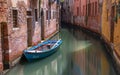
(36, 28)
(36, 33)
(17, 36)
(87, 14)
(3, 11)
(50, 26)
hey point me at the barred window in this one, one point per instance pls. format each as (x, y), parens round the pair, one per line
(15, 18)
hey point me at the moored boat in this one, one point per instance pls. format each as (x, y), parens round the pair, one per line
(42, 50)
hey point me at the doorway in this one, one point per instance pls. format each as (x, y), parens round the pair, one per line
(4, 44)
(29, 31)
(42, 25)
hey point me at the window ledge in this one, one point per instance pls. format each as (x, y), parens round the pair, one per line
(16, 28)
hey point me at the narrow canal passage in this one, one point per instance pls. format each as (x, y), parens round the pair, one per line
(79, 54)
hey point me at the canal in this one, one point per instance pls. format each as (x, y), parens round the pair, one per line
(79, 54)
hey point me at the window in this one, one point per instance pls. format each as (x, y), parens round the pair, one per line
(95, 8)
(54, 15)
(86, 10)
(36, 18)
(89, 9)
(83, 10)
(46, 14)
(15, 18)
(49, 14)
(29, 13)
(77, 11)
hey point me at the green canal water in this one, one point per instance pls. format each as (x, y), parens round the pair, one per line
(79, 54)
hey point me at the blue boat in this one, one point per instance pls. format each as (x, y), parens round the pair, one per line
(42, 50)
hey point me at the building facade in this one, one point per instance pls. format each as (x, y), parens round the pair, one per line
(86, 13)
(111, 25)
(24, 23)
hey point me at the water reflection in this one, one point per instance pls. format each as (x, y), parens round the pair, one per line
(88, 56)
(79, 54)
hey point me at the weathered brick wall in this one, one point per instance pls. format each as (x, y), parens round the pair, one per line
(3, 12)
(1, 63)
(94, 23)
(76, 7)
(51, 26)
(36, 33)
(36, 25)
(88, 21)
(17, 36)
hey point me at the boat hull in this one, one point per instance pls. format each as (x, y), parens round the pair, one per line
(30, 56)
(33, 56)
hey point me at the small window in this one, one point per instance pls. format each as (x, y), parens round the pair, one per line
(95, 8)
(77, 11)
(36, 15)
(15, 18)
(83, 10)
(50, 14)
(29, 13)
(89, 9)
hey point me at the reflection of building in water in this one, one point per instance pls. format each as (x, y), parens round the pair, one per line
(89, 57)
(91, 61)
